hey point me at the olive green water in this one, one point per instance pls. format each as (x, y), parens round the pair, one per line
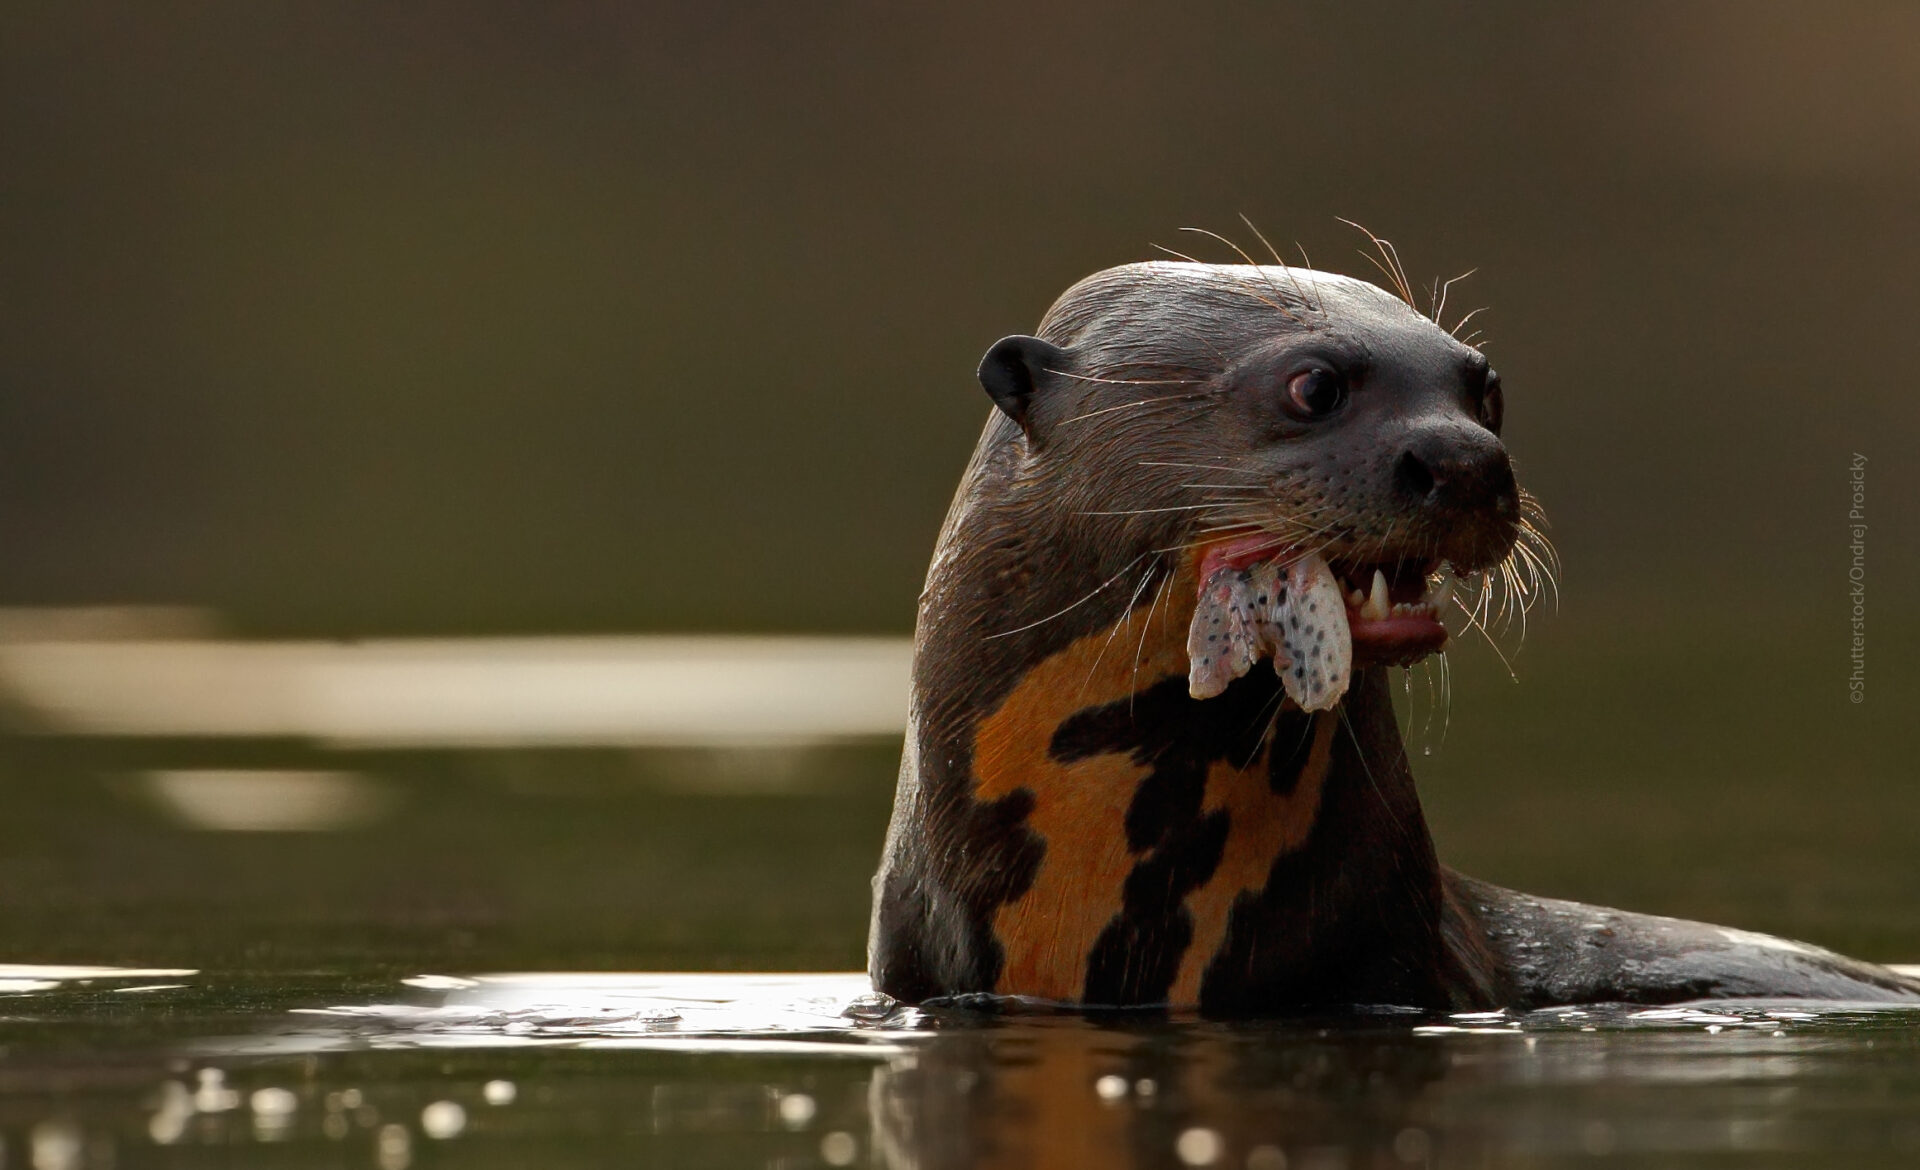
(271, 1009)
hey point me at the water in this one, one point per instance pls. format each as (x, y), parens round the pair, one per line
(305, 943)
(125, 1067)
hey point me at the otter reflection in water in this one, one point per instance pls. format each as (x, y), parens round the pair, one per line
(1152, 756)
(1046, 1092)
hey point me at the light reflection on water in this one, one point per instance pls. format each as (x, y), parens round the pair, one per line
(800, 1070)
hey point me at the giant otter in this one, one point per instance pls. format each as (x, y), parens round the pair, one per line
(1094, 808)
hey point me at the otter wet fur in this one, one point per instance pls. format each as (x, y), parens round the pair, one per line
(1090, 814)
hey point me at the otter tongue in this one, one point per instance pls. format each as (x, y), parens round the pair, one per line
(1298, 619)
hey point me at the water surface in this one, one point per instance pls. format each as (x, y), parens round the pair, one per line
(111, 1067)
(310, 944)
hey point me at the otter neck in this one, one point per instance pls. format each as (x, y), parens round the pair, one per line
(1155, 848)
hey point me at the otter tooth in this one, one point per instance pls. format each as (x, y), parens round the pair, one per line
(1377, 605)
(1441, 591)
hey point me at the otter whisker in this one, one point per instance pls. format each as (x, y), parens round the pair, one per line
(1525, 570)
(1143, 358)
(1226, 524)
(1063, 612)
(1533, 529)
(1269, 711)
(1264, 242)
(1359, 753)
(1162, 401)
(1395, 272)
(1176, 254)
(1283, 531)
(1516, 596)
(1328, 535)
(1388, 273)
(1517, 583)
(1287, 313)
(1306, 262)
(1126, 613)
(1475, 624)
(1497, 598)
(1540, 577)
(1433, 701)
(1140, 651)
(1284, 267)
(1288, 534)
(1240, 287)
(1533, 544)
(1393, 254)
(1530, 562)
(1195, 466)
(1272, 512)
(1462, 322)
(1278, 539)
(1534, 525)
(1440, 305)
(1516, 592)
(1151, 511)
(1190, 545)
(1249, 474)
(1482, 597)
(1125, 381)
(1281, 309)
(1294, 511)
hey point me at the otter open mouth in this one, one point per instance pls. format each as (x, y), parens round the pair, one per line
(1315, 620)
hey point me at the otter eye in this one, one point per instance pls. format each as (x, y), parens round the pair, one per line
(1493, 404)
(1316, 393)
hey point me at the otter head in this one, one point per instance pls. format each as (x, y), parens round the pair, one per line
(1263, 416)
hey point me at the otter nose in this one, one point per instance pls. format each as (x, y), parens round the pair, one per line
(1457, 472)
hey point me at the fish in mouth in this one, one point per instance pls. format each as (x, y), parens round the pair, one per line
(1314, 620)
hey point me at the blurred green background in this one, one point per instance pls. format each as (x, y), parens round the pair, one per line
(342, 320)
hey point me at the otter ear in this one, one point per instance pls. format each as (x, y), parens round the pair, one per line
(1014, 370)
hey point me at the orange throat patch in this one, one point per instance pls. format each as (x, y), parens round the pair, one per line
(1080, 807)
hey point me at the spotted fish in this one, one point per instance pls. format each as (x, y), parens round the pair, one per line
(1296, 617)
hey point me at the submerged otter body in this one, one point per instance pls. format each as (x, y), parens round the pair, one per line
(1093, 809)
